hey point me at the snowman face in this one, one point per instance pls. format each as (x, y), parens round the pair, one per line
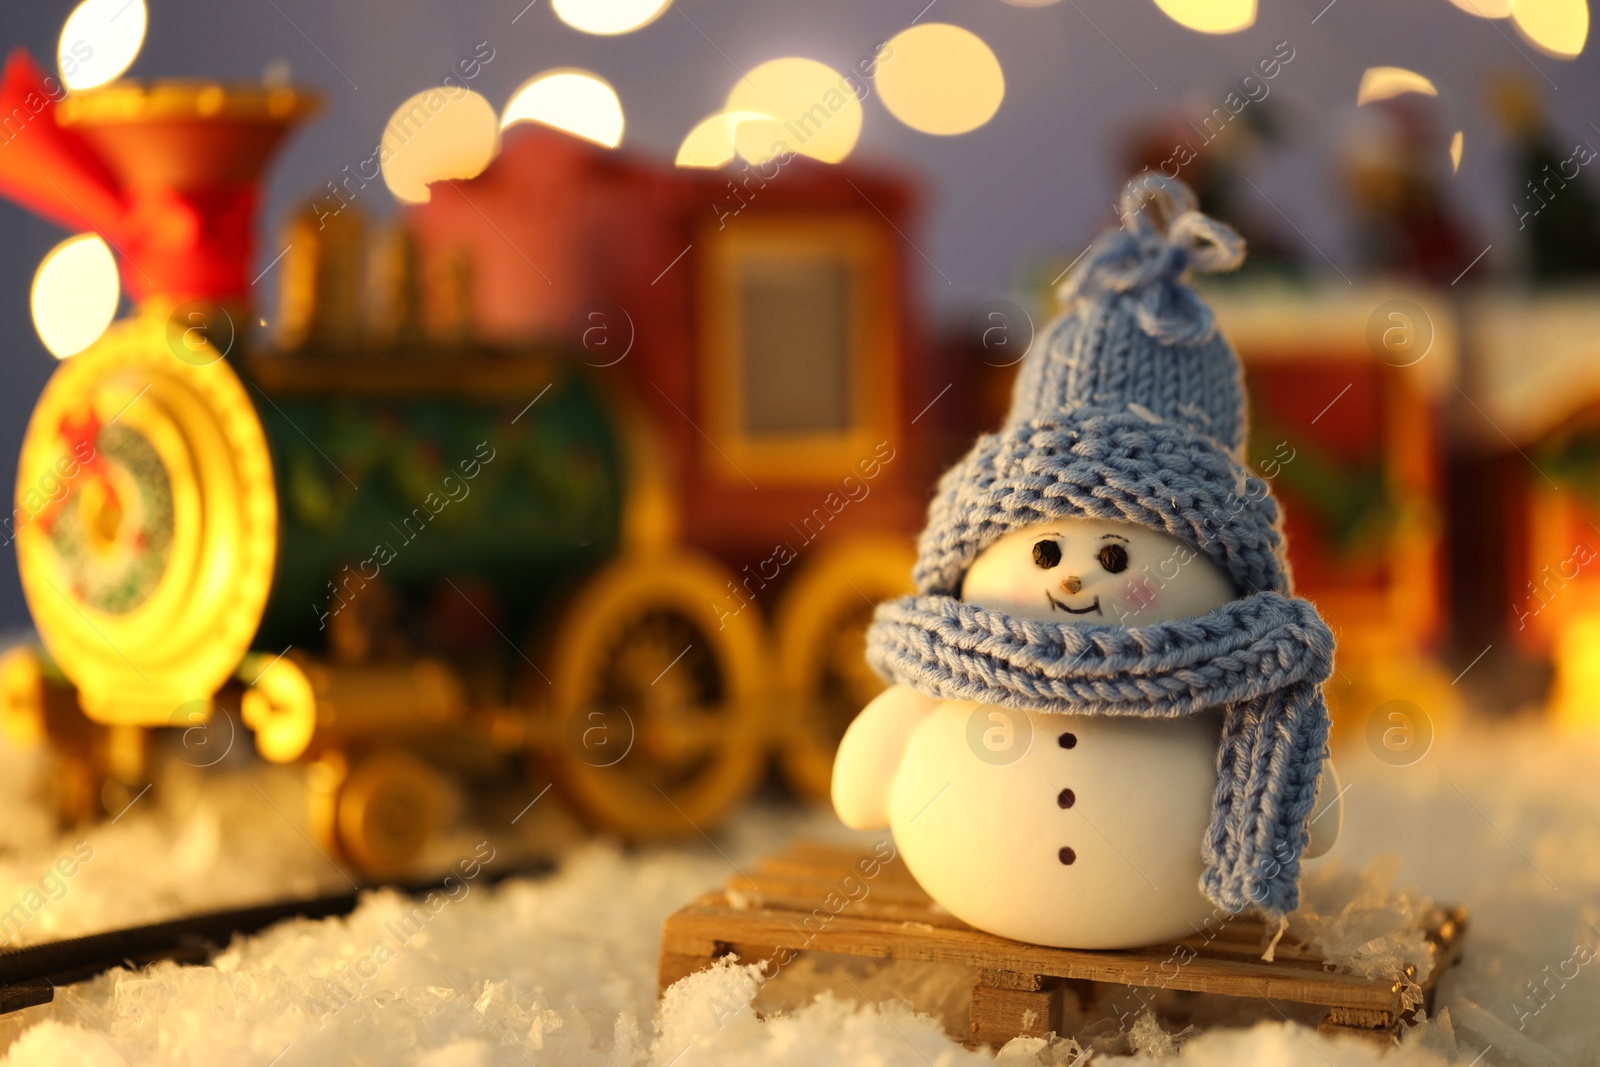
(1095, 572)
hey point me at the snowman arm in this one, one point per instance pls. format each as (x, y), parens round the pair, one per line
(1327, 814)
(869, 755)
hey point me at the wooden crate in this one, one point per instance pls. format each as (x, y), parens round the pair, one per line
(817, 898)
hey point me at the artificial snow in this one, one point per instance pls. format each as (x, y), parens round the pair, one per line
(561, 969)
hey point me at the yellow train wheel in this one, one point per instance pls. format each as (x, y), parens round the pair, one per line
(821, 636)
(657, 699)
(147, 521)
(378, 810)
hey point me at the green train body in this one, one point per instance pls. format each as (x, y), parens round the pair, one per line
(508, 501)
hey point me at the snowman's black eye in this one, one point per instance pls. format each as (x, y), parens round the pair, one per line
(1114, 558)
(1046, 554)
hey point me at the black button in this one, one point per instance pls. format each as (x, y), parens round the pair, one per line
(1067, 855)
(1069, 740)
(1066, 798)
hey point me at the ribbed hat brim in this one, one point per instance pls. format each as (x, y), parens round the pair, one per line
(1106, 464)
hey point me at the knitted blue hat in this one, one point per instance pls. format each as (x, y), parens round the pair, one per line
(1131, 408)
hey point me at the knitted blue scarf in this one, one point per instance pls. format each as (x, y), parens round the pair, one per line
(1262, 658)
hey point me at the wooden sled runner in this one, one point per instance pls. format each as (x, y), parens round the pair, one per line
(827, 899)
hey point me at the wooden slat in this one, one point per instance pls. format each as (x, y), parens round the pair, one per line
(802, 877)
(874, 907)
(882, 912)
(809, 892)
(781, 905)
(757, 934)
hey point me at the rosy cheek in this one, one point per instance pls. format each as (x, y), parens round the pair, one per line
(1138, 595)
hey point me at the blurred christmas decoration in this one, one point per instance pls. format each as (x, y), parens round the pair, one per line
(577, 101)
(438, 134)
(940, 79)
(1558, 214)
(815, 111)
(1556, 27)
(99, 41)
(1391, 165)
(1210, 16)
(1382, 83)
(458, 522)
(712, 141)
(609, 17)
(1211, 146)
(75, 294)
(1346, 389)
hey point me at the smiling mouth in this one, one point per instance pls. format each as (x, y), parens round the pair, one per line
(1054, 603)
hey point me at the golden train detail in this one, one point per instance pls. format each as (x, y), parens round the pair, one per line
(603, 490)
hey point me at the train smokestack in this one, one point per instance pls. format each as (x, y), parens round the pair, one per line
(169, 172)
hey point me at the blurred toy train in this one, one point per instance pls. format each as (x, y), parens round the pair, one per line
(590, 467)
(587, 474)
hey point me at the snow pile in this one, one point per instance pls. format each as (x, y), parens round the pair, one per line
(173, 851)
(561, 970)
(1361, 923)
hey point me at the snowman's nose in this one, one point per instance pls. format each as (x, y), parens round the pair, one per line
(1072, 584)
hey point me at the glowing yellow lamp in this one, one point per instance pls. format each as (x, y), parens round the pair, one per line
(75, 294)
(1210, 16)
(1575, 694)
(577, 101)
(940, 79)
(609, 17)
(1556, 27)
(1381, 83)
(711, 142)
(444, 132)
(815, 111)
(100, 40)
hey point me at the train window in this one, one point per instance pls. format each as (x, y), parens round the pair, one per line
(801, 321)
(795, 346)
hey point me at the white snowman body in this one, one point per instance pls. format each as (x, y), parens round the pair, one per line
(1064, 830)
(1093, 846)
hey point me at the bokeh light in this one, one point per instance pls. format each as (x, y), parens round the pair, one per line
(1381, 83)
(1488, 9)
(437, 134)
(75, 294)
(609, 17)
(942, 79)
(100, 40)
(1211, 16)
(581, 103)
(1555, 27)
(814, 110)
(711, 142)
(1457, 143)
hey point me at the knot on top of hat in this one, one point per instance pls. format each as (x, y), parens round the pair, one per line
(1163, 237)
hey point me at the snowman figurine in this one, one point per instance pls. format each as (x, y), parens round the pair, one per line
(1105, 727)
